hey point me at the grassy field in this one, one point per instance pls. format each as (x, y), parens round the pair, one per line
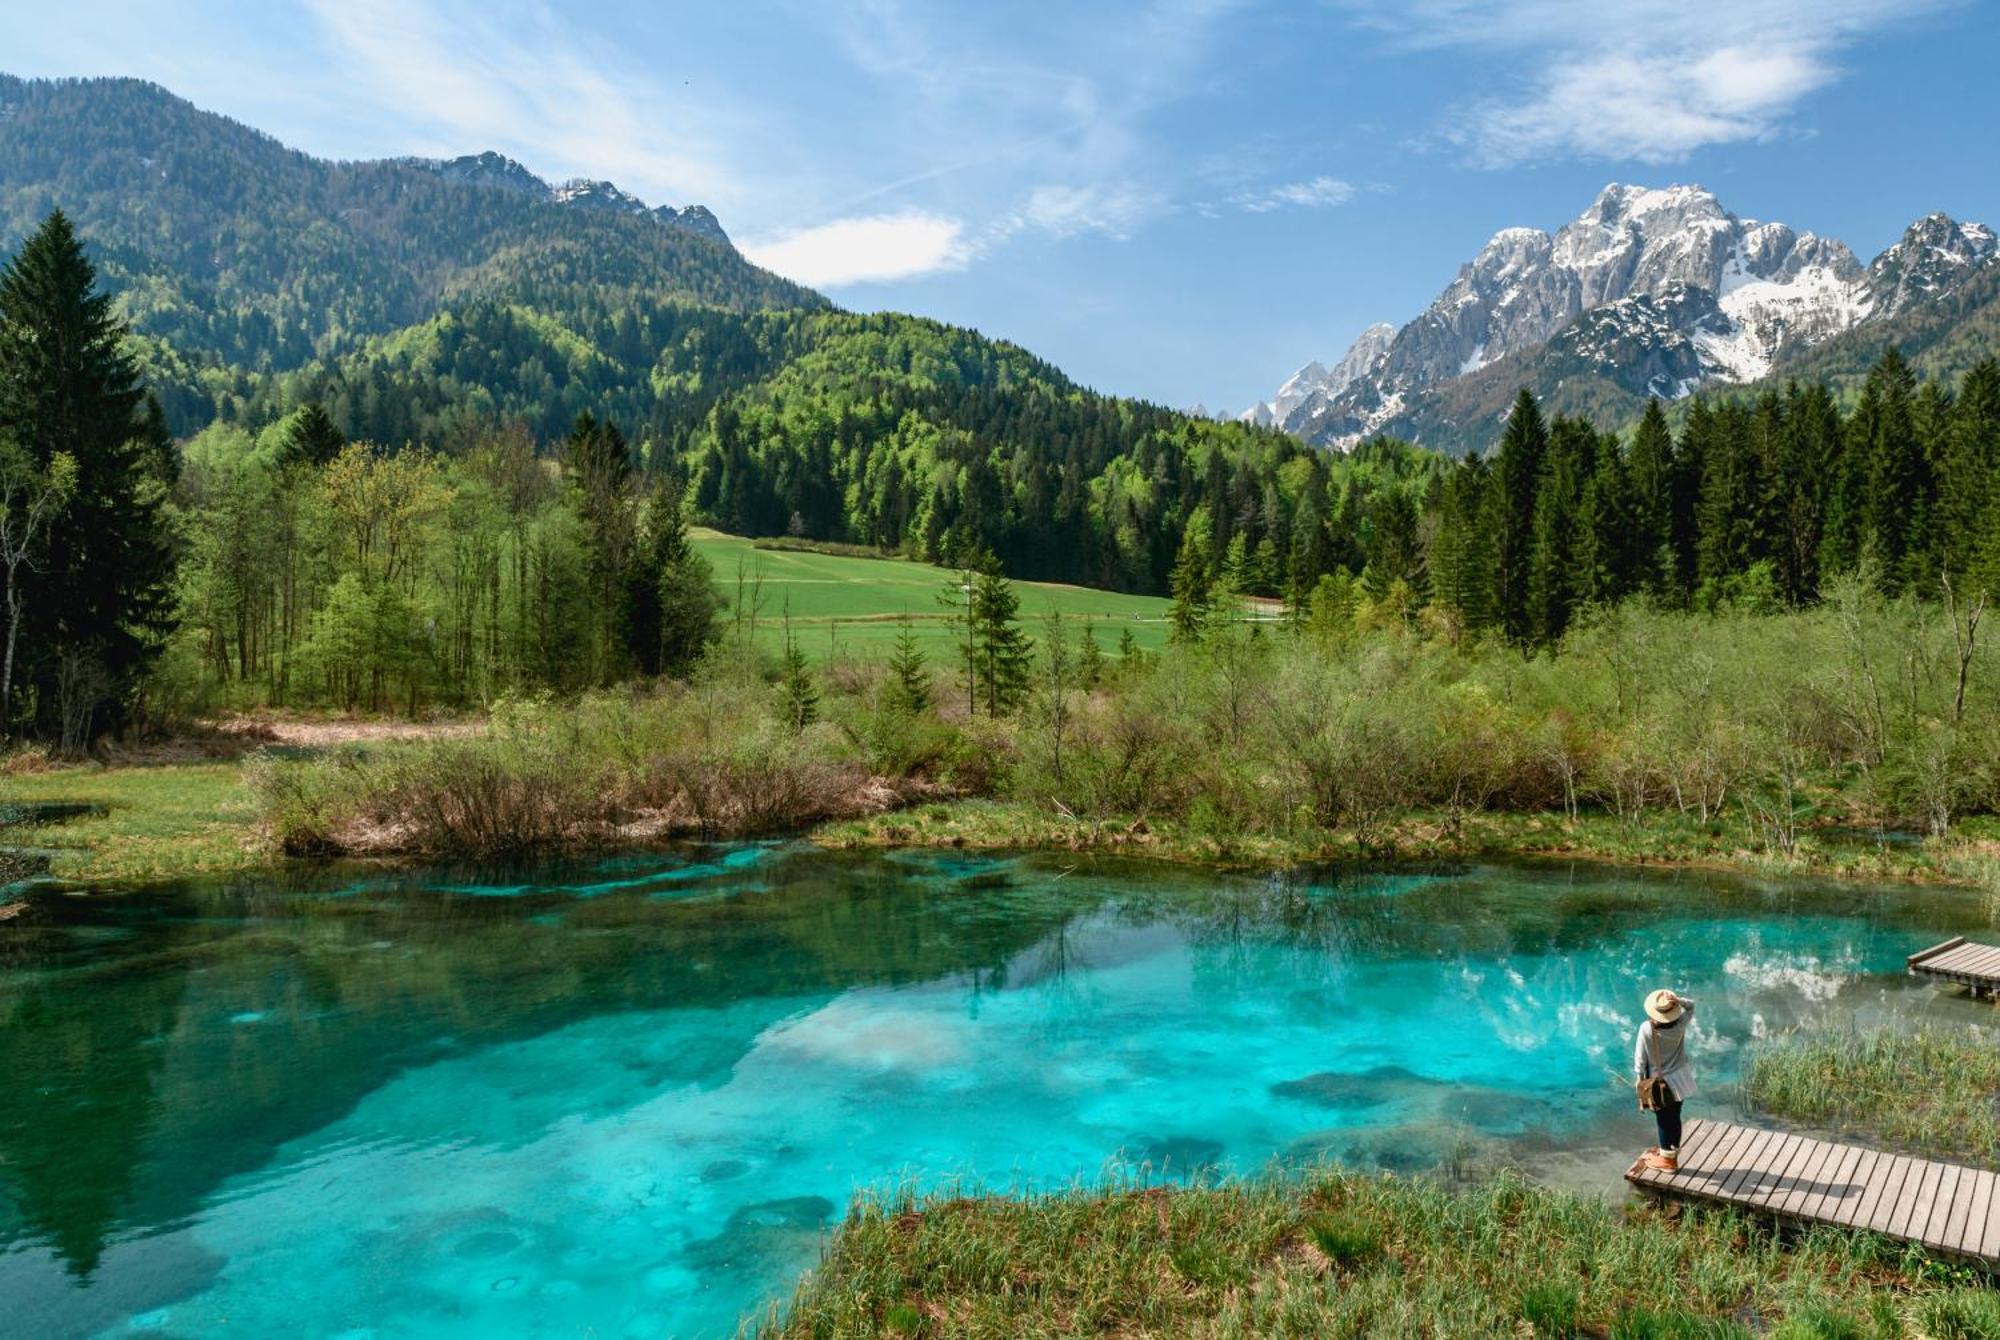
(854, 606)
(1336, 1254)
(155, 821)
(1930, 1092)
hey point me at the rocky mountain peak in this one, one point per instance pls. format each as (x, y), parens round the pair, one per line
(1934, 256)
(1735, 294)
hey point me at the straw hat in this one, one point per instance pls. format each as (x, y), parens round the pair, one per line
(1663, 1007)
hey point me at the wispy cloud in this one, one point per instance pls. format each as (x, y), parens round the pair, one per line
(1313, 193)
(870, 249)
(1646, 80)
(1115, 209)
(534, 86)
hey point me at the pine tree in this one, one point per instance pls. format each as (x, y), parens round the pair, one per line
(909, 689)
(672, 614)
(798, 694)
(1463, 550)
(1191, 585)
(1128, 649)
(1001, 650)
(1090, 658)
(311, 437)
(1651, 483)
(102, 593)
(1518, 472)
(1898, 476)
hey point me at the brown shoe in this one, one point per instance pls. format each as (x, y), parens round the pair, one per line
(1662, 1161)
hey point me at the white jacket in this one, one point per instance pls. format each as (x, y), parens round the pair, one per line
(1663, 1052)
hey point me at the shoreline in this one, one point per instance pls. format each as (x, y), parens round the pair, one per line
(172, 818)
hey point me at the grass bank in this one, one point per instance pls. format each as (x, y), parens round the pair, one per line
(1336, 1254)
(1968, 857)
(1929, 1091)
(147, 821)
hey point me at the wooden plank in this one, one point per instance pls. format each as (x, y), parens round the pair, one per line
(1711, 1144)
(1881, 1201)
(1771, 1175)
(1836, 1185)
(1931, 1231)
(1951, 1231)
(1863, 1175)
(1806, 1180)
(1972, 961)
(1917, 1199)
(1702, 1142)
(1753, 1153)
(1991, 1231)
(1771, 1163)
(1983, 963)
(1972, 1233)
(1947, 1208)
(1936, 949)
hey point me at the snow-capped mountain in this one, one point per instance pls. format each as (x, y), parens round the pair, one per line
(1316, 380)
(503, 173)
(1658, 291)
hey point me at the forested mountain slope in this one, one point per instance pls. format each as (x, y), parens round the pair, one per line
(237, 251)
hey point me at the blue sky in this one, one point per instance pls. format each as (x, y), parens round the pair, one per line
(1178, 199)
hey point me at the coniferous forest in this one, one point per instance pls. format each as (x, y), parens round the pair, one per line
(427, 527)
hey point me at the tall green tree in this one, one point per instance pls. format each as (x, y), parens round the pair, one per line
(1518, 468)
(1000, 650)
(103, 594)
(311, 437)
(1192, 583)
(909, 687)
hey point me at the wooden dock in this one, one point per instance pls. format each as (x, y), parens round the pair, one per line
(1958, 960)
(1951, 1210)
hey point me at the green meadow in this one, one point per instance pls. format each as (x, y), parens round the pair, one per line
(854, 606)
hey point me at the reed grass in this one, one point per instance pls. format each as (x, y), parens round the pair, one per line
(1333, 1253)
(1932, 1091)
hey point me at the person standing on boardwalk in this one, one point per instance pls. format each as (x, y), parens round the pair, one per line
(1665, 1079)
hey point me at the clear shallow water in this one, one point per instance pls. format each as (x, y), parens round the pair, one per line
(628, 1097)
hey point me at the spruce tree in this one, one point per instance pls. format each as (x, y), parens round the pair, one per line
(672, 613)
(909, 688)
(1651, 480)
(1001, 664)
(1090, 658)
(311, 437)
(1518, 471)
(102, 592)
(1898, 476)
(1462, 553)
(1192, 585)
(798, 694)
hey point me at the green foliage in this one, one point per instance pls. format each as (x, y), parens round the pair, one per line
(1346, 1241)
(909, 689)
(798, 692)
(1411, 1258)
(1962, 1314)
(1551, 1308)
(95, 607)
(1928, 1090)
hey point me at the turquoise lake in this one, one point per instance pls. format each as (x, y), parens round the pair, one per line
(630, 1097)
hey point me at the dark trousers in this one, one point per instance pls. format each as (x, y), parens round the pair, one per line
(1668, 1115)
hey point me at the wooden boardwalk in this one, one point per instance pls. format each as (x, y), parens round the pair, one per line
(1958, 960)
(1951, 1210)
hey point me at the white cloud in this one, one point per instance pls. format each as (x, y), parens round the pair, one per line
(1313, 193)
(529, 84)
(1649, 80)
(868, 249)
(1115, 209)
